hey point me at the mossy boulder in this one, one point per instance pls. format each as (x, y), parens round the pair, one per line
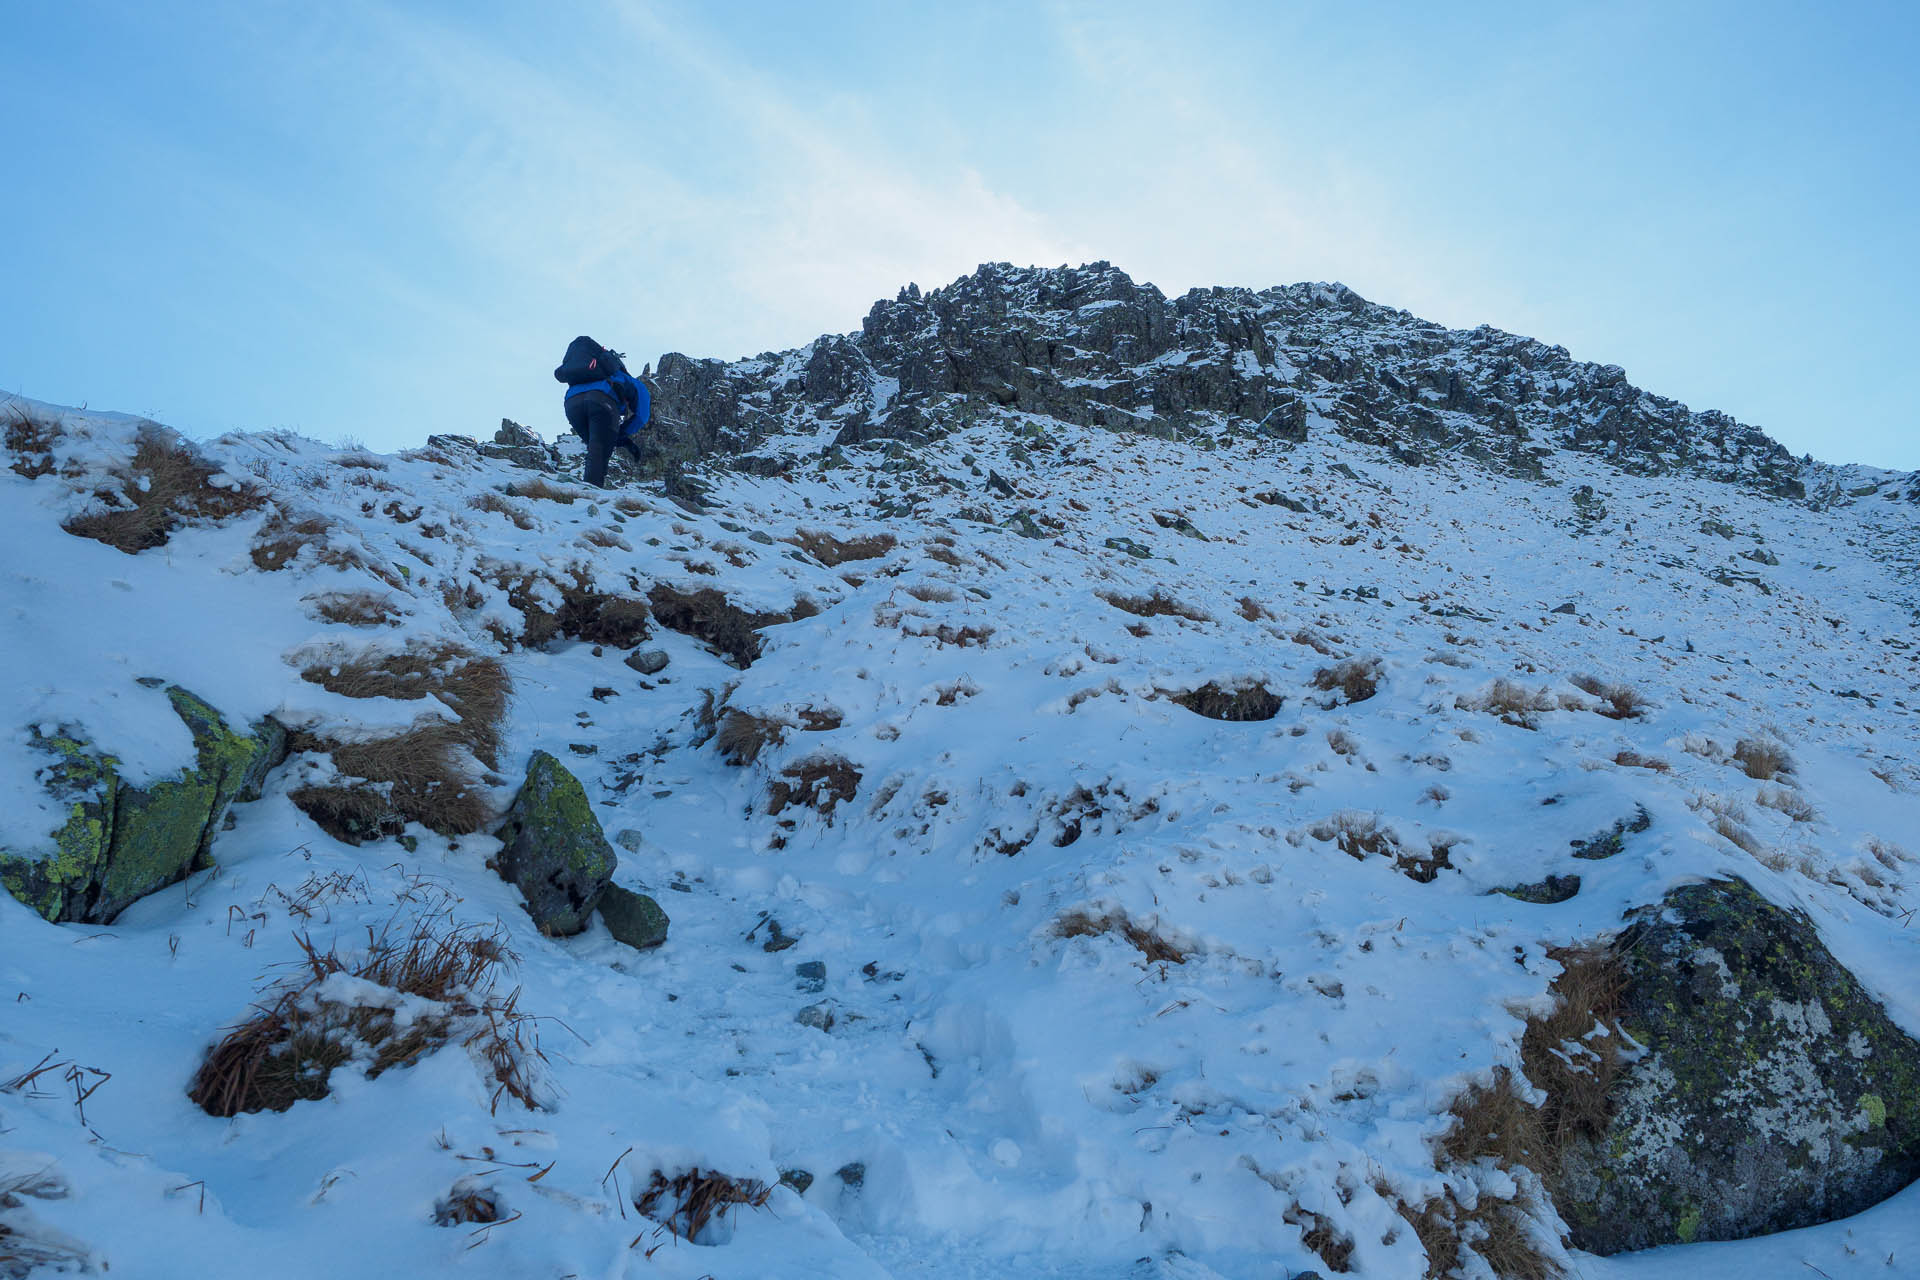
(121, 842)
(555, 851)
(633, 918)
(1773, 1091)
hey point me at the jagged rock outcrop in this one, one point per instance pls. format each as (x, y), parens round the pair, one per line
(1090, 346)
(1773, 1092)
(554, 850)
(121, 842)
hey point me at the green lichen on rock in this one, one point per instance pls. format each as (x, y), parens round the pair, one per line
(633, 918)
(121, 842)
(555, 851)
(1749, 1112)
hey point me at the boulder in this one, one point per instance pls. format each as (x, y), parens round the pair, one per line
(1773, 1091)
(633, 918)
(554, 850)
(121, 842)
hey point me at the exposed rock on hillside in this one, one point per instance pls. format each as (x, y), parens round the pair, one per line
(121, 842)
(1775, 1093)
(556, 853)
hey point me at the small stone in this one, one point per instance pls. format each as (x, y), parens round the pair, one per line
(648, 662)
(819, 1016)
(633, 918)
(812, 975)
(1564, 608)
(798, 1179)
(853, 1173)
(629, 839)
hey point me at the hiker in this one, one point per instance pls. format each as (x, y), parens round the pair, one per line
(606, 405)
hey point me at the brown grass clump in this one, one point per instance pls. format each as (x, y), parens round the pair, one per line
(30, 440)
(1146, 939)
(1157, 605)
(742, 736)
(1629, 759)
(426, 774)
(932, 593)
(1622, 701)
(542, 489)
(820, 783)
(356, 608)
(1235, 702)
(946, 555)
(1358, 834)
(945, 634)
(1318, 1233)
(1762, 758)
(695, 1198)
(1562, 1055)
(166, 484)
(1513, 703)
(516, 514)
(1355, 679)
(467, 1205)
(601, 618)
(287, 1049)
(284, 536)
(710, 617)
(1316, 642)
(832, 552)
(1787, 801)
(1252, 610)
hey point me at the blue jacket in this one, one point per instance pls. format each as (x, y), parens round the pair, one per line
(624, 389)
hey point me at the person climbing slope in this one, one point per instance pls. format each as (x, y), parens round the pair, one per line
(606, 405)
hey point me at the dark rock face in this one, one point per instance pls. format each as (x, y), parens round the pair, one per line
(1774, 1092)
(1088, 345)
(121, 842)
(555, 851)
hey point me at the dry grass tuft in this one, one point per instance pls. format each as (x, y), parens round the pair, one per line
(820, 783)
(30, 440)
(1787, 801)
(1357, 833)
(427, 774)
(696, 1198)
(541, 489)
(1318, 1233)
(516, 514)
(467, 1205)
(290, 1046)
(1762, 758)
(742, 736)
(1513, 703)
(932, 593)
(356, 608)
(946, 555)
(166, 484)
(1573, 1052)
(711, 618)
(946, 634)
(832, 552)
(1623, 702)
(1316, 642)
(1157, 605)
(1629, 759)
(1252, 610)
(1144, 938)
(1355, 679)
(1235, 702)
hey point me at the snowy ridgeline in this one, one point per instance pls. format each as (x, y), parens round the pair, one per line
(1096, 983)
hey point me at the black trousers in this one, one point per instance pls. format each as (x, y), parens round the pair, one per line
(595, 418)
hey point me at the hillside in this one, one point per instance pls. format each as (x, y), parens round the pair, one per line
(1123, 774)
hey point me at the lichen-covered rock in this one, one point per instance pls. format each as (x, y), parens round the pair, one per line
(633, 918)
(555, 851)
(1774, 1092)
(121, 842)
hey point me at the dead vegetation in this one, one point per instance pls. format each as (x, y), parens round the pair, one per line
(1154, 947)
(819, 783)
(29, 439)
(1728, 819)
(1620, 701)
(742, 736)
(165, 485)
(440, 984)
(427, 774)
(687, 1203)
(1788, 801)
(1318, 1233)
(541, 489)
(1157, 605)
(1630, 759)
(1514, 703)
(1361, 835)
(947, 634)
(932, 593)
(708, 616)
(1763, 759)
(356, 608)
(516, 515)
(1354, 679)
(833, 552)
(1234, 702)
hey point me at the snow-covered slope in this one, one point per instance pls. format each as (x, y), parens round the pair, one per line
(1116, 988)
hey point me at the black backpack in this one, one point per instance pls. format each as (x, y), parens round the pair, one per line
(587, 361)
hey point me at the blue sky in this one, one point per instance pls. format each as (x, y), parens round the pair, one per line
(375, 221)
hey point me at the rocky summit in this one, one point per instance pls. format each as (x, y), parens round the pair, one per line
(1233, 787)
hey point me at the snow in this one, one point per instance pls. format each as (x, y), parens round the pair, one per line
(1021, 1098)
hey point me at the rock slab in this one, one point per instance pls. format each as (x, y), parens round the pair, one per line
(633, 918)
(554, 850)
(1774, 1092)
